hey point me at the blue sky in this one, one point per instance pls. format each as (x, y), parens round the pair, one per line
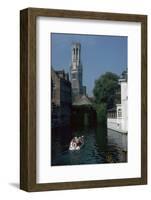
(99, 54)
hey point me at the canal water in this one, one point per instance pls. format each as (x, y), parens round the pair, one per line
(97, 147)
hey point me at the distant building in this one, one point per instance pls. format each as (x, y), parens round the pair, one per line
(76, 72)
(118, 117)
(84, 90)
(60, 98)
(82, 100)
(122, 109)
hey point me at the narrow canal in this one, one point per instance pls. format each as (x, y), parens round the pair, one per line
(97, 148)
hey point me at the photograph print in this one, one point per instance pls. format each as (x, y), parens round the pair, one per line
(89, 99)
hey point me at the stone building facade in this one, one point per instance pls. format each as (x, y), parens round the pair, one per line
(61, 98)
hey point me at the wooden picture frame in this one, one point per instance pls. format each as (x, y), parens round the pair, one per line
(28, 98)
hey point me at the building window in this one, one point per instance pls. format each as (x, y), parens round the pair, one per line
(73, 76)
(120, 112)
(53, 89)
(74, 51)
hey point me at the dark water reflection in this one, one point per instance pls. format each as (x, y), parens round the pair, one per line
(96, 149)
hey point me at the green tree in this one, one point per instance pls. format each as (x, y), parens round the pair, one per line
(106, 90)
(101, 113)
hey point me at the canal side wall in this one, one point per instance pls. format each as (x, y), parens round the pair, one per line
(116, 133)
(116, 124)
(118, 138)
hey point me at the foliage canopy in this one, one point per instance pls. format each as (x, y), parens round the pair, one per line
(106, 90)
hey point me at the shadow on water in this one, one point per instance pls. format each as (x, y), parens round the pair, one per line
(96, 149)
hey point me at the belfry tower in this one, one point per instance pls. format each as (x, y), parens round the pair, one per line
(76, 71)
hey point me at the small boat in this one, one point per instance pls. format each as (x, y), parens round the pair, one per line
(76, 143)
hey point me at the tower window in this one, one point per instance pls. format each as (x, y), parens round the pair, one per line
(74, 51)
(74, 76)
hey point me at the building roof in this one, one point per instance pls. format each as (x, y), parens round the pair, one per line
(60, 74)
(82, 100)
